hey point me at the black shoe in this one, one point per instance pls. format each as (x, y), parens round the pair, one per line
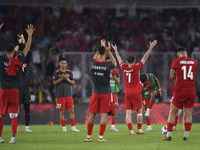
(166, 139)
(186, 139)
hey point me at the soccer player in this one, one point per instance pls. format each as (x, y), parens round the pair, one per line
(101, 91)
(24, 93)
(133, 87)
(150, 89)
(10, 82)
(114, 81)
(183, 70)
(63, 80)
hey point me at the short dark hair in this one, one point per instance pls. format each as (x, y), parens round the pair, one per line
(107, 58)
(143, 78)
(63, 59)
(180, 49)
(10, 48)
(101, 50)
(130, 59)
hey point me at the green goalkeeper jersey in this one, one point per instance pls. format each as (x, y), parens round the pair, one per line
(113, 84)
(153, 86)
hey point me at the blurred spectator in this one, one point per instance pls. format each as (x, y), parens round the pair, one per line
(78, 98)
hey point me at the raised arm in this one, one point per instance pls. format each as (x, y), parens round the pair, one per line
(117, 54)
(146, 55)
(29, 31)
(112, 58)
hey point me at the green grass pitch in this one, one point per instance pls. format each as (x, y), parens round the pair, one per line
(46, 137)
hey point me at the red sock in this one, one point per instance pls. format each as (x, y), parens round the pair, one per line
(14, 125)
(188, 126)
(89, 129)
(169, 126)
(62, 122)
(72, 120)
(148, 121)
(150, 105)
(1, 125)
(139, 125)
(102, 129)
(113, 122)
(130, 126)
(176, 119)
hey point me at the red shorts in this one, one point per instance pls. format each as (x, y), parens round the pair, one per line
(100, 102)
(146, 102)
(115, 99)
(65, 102)
(181, 101)
(133, 101)
(9, 101)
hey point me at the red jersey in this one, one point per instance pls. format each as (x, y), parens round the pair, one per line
(185, 68)
(132, 77)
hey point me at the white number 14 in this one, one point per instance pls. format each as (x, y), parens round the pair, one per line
(189, 74)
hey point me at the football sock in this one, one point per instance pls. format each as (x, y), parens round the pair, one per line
(176, 119)
(150, 105)
(14, 125)
(169, 126)
(89, 130)
(188, 126)
(130, 126)
(113, 123)
(102, 129)
(27, 114)
(1, 125)
(148, 121)
(186, 134)
(72, 120)
(62, 122)
(139, 125)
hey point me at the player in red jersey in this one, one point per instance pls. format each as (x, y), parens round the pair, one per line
(10, 83)
(183, 70)
(133, 87)
(101, 98)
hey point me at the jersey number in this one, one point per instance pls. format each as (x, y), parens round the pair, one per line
(129, 77)
(189, 74)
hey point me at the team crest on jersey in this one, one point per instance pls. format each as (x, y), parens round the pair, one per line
(24, 65)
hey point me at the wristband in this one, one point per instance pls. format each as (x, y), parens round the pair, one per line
(159, 89)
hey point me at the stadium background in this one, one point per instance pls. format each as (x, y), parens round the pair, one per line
(74, 28)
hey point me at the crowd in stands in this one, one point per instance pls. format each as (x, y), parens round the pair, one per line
(80, 30)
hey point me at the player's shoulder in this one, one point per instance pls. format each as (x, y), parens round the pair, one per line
(67, 70)
(57, 70)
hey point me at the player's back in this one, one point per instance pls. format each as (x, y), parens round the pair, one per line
(132, 78)
(186, 69)
(100, 73)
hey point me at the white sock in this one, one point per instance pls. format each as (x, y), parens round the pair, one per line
(73, 127)
(100, 136)
(169, 134)
(112, 126)
(186, 134)
(27, 127)
(89, 136)
(149, 126)
(64, 127)
(148, 109)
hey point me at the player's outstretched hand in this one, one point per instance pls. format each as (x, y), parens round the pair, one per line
(152, 44)
(1, 26)
(103, 42)
(114, 47)
(108, 47)
(30, 30)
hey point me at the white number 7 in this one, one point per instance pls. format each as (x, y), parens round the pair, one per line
(189, 74)
(129, 77)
